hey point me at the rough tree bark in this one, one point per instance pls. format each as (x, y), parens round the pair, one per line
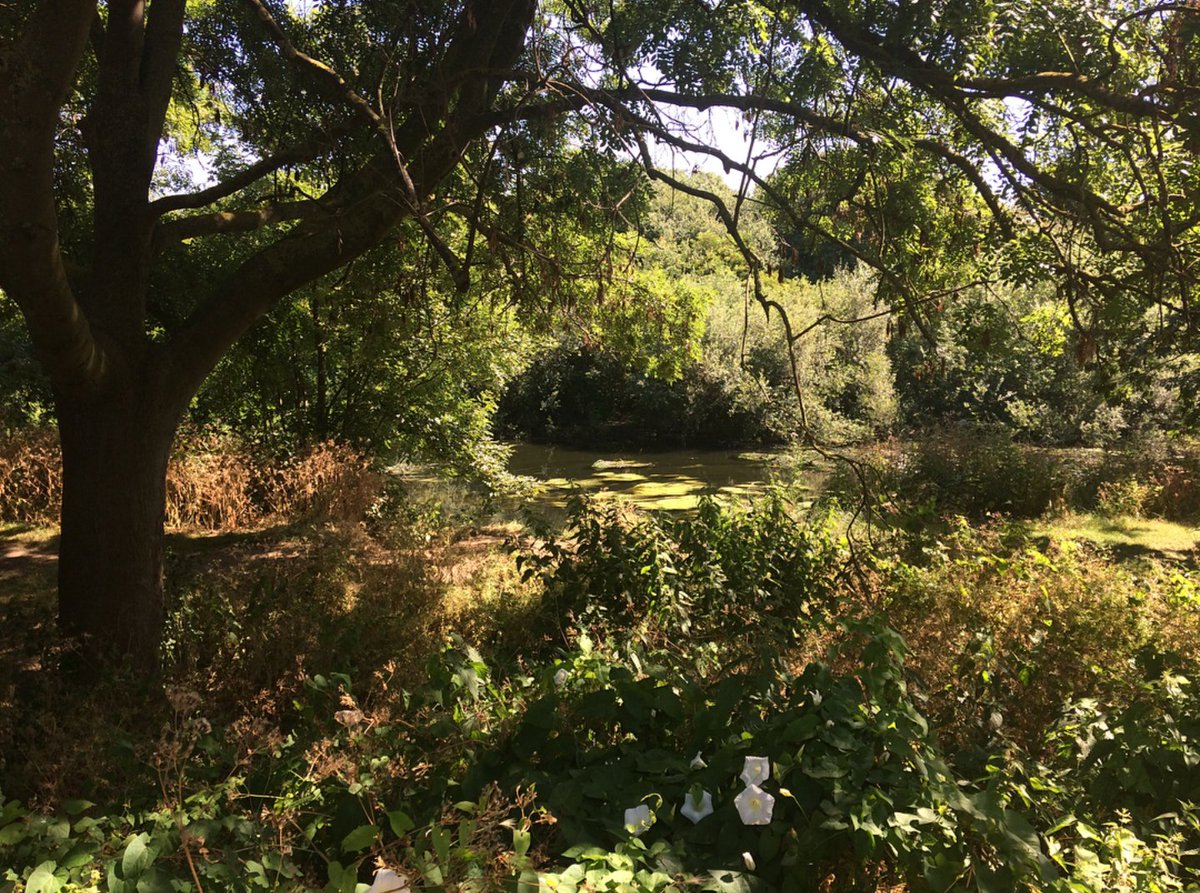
(110, 577)
(119, 393)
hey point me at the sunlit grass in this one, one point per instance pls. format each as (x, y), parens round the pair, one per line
(1150, 534)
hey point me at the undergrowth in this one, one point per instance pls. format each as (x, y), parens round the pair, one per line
(719, 701)
(981, 474)
(212, 484)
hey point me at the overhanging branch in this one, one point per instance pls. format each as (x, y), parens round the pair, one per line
(221, 222)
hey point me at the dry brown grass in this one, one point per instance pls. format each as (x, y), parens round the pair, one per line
(30, 477)
(212, 485)
(328, 480)
(252, 617)
(211, 491)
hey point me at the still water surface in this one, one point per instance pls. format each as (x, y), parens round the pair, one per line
(672, 480)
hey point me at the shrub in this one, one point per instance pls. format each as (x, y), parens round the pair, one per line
(860, 792)
(30, 477)
(751, 584)
(297, 747)
(1129, 498)
(1005, 633)
(974, 473)
(590, 397)
(965, 472)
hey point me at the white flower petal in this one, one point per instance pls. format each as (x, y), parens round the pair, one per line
(698, 762)
(755, 806)
(817, 697)
(638, 819)
(387, 881)
(695, 812)
(756, 770)
(560, 678)
(748, 861)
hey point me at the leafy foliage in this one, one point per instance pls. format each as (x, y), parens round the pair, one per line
(674, 649)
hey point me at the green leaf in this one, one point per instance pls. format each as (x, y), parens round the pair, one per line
(521, 841)
(941, 873)
(359, 839)
(155, 881)
(138, 856)
(400, 822)
(1065, 822)
(12, 834)
(74, 807)
(342, 880)
(80, 854)
(441, 844)
(727, 882)
(43, 880)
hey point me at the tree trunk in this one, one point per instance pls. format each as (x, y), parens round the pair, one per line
(110, 572)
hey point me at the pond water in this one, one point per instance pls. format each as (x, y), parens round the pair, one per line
(672, 481)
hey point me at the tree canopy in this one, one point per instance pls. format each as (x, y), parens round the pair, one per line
(170, 172)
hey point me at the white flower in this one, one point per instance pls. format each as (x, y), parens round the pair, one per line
(817, 697)
(638, 819)
(560, 678)
(696, 807)
(756, 770)
(755, 806)
(387, 881)
(749, 861)
(698, 762)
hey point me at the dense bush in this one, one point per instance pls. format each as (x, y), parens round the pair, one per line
(980, 472)
(694, 361)
(587, 397)
(1005, 633)
(966, 472)
(1013, 356)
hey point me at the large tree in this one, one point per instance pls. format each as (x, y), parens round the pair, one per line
(916, 136)
(105, 76)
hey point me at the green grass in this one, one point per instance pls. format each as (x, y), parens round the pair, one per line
(1139, 534)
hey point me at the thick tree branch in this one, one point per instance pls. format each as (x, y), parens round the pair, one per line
(338, 85)
(370, 202)
(164, 36)
(342, 90)
(222, 222)
(38, 70)
(906, 63)
(122, 129)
